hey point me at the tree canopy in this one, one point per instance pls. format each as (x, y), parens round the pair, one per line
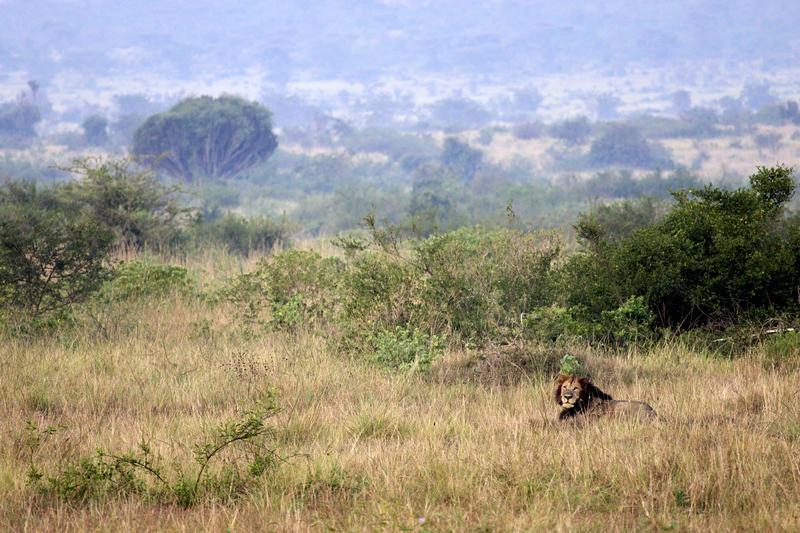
(19, 119)
(207, 137)
(52, 250)
(717, 255)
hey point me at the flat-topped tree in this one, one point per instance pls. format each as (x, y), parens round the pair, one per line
(207, 137)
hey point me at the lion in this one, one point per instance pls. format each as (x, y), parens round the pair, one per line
(579, 396)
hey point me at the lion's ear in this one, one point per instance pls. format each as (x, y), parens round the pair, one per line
(557, 387)
(593, 391)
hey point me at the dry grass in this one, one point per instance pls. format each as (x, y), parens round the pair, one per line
(725, 157)
(383, 451)
(719, 159)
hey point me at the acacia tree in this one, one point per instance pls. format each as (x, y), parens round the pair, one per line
(207, 137)
(53, 252)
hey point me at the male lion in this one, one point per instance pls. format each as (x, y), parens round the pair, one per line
(578, 395)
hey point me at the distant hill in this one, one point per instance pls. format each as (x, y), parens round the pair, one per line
(364, 40)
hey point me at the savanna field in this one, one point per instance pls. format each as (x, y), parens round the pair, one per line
(399, 265)
(166, 375)
(332, 427)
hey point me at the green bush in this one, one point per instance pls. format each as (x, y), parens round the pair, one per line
(479, 282)
(570, 365)
(555, 323)
(619, 219)
(241, 235)
(379, 292)
(138, 208)
(53, 252)
(622, 144)
(406, 349)
(289, 288)
(716, 256)
(782, 351)
(631, 322)
(470, 283)
(139, 279)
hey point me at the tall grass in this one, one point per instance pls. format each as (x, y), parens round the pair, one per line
(369, 449)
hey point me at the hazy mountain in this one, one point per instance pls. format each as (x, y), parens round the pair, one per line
(366, 39)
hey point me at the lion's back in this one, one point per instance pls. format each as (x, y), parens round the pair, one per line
(624, 408)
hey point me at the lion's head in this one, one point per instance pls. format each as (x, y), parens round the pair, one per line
(573, 393)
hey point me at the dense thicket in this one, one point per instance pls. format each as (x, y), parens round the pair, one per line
(717, 255)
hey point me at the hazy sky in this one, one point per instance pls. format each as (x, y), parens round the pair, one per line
(99, 46)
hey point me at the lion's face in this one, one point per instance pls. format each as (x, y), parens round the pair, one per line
(571, 391)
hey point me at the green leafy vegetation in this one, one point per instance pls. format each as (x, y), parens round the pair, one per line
(240, 235)
(53, 252)
(716, 256)
(143, 472)
(407, 361)
(205, 137)
(142, 279)
(132, 203)
(570, 365)
(404, 349)
(624, 145)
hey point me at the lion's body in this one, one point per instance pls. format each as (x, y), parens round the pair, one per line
(579, 396)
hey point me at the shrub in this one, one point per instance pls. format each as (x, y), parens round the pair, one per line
(241, 235)
(471, 283)
(570, 365)
(554, 323)
(479, 282)
(406, 349)
(53, 253)
(290, 288)
(138, 208)
(631, 322)
(620, 219)
(624, 145)
(140, 279)
(782, 351)
(379, 292)
(716, 255)
(624, 184)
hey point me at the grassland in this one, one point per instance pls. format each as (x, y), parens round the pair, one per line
(718, 159)
(470, 446)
